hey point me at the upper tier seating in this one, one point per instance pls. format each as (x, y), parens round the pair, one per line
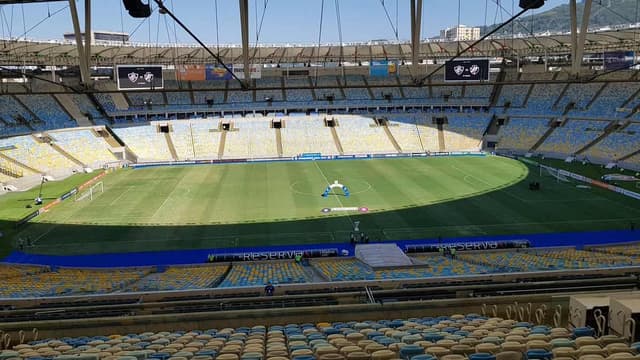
(541, 100)
(107, 102)
(48, 110)
(298, 95)
(478, 93)
(87, 107)
(610, 99)
(513, 94)
(142, 99)
(573, 136)
(521, 133)
(200, 97)
(146, 142)
(15, 115)
(85, 146)
(580, 95)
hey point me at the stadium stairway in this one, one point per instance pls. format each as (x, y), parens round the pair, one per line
(441, 144)
(223, 139)
(19, 164)
(172, 148)
(314, 96)
(382, 255)
(120, 101)
(391, 138)
(625, 157)
(369, 91)
(279, 142)
(68, 105)
(64, 153)
(336, 139)
(552, 126)
(613, 126)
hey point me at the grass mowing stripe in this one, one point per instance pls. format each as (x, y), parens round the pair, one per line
(260, 204)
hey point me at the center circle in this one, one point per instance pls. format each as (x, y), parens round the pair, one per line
(355, 186)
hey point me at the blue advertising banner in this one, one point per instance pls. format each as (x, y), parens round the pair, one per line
(379, 68)
(215, 72)
(616, 60)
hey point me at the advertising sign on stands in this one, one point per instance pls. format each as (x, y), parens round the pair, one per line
(215, 72)
(256, 71)
(190, 72)
(616, 60)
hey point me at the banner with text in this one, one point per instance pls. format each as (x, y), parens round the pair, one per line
(216, 72)
(382, 68)
(190, 72)
(256, 71)
(616, 60)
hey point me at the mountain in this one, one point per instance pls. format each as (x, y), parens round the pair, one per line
(603, 13)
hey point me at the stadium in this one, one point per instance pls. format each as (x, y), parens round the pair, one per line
(473, 196)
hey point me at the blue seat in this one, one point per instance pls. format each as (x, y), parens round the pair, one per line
(583, 331)
(304, 357)
(423, 357)
(482, 356)
(407, 352)
(433, 337)
(539, 354)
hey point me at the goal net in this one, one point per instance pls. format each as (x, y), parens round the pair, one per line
(95, 190)
(554, 173)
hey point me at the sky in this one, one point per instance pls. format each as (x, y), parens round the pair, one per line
(284, 21)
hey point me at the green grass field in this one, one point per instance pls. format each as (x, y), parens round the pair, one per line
(259, 204)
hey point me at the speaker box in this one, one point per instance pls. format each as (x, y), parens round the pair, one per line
(531, 4)
(137, 8)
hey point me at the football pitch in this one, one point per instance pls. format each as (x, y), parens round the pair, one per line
(280, 203)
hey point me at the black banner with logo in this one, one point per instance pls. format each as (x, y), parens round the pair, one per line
(273, 255)
(142, 77)
(467, 70)
(468, 246)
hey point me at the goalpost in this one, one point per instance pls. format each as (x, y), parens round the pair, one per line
(95, 190)
(555, 173)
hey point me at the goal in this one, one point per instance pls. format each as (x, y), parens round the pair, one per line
(555, 173)
(94, 190)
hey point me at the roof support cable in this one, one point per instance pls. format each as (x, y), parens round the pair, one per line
(165, 10)
(459, 53)
(319, 37)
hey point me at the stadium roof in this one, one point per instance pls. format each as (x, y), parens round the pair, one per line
(65, 53)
